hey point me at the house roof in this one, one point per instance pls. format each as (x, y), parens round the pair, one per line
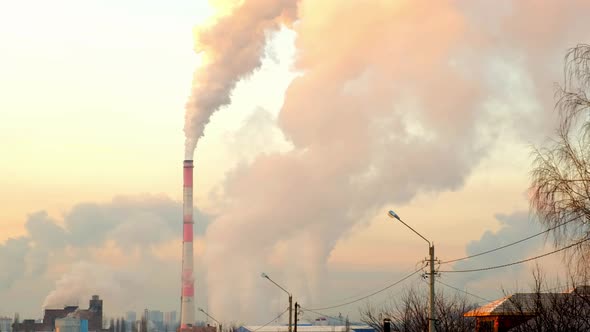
(524, 304)
(521, 304)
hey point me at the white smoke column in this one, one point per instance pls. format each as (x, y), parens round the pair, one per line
(232, 48)
(86, 279)
(391, 102)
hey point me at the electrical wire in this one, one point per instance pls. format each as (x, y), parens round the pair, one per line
(279, 316)
(518, 262)
(319, 313)
(507, 245)
(374, 293)
(364, 291)
(463, 291)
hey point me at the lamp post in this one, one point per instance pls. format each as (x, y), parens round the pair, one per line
(264, 275)
(431, 319)
(218, 323)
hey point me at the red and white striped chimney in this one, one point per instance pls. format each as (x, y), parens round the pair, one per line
(187, 309)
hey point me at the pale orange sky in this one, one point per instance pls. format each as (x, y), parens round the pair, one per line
(93, 108)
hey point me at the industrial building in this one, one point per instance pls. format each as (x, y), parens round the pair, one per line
(130, 319)
(71, 324)
(131, 316)
(170, 319)
(155, 319)
(5, 324)
(92, 315)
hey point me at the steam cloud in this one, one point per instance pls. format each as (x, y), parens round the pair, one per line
(396, 97)
(86, 279)
(13, 251)
(133, 225)
(232, 48)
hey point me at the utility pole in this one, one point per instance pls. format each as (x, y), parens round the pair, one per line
(431, 319)
(291, 312)
(296, 315)
(264, 275)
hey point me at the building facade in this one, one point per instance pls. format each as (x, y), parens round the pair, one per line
(5, 324)
(93, 316)
(71, 324)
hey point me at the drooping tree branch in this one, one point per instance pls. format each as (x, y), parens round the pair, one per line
(560, 186)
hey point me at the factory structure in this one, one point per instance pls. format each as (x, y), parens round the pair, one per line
(71, 324)
(5, 324)
(68, 319)
(73, 319)
(187, 301)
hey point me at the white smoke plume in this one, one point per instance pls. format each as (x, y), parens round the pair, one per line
(86, 279)
(112, 249)
(14, 251)
(232, 48)
(396, 97)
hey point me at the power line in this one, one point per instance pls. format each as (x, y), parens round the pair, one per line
(364, 291)
(518, 262)
(279, 316)
(319, 313)
(508, 245)
(374, 293)
(463, 291)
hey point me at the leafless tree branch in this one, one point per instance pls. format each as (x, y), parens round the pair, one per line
(560, 186)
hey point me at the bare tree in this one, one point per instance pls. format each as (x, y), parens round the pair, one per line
(553, 311)
(560, 186)
(409, 313)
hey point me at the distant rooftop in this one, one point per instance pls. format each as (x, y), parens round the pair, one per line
(521, 304)
(304, 328)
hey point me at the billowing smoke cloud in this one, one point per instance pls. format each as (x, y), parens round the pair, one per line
(70, 249)
(13, 252)
(396, 97)
(129, 220)
(232, 48)
(86, 279)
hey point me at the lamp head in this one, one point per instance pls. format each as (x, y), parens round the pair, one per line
(393, 215)
(200, 309)
(264, 275)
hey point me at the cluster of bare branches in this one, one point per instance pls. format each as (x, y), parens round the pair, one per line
(409, 313)
(560, 188)
(568, 310)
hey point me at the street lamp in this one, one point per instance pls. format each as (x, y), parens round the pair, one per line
(264, 275)
(431, 319)
(218, 323)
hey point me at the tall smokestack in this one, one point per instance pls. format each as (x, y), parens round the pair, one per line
(187, 306)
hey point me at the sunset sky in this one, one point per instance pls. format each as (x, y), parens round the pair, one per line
(430, 108)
